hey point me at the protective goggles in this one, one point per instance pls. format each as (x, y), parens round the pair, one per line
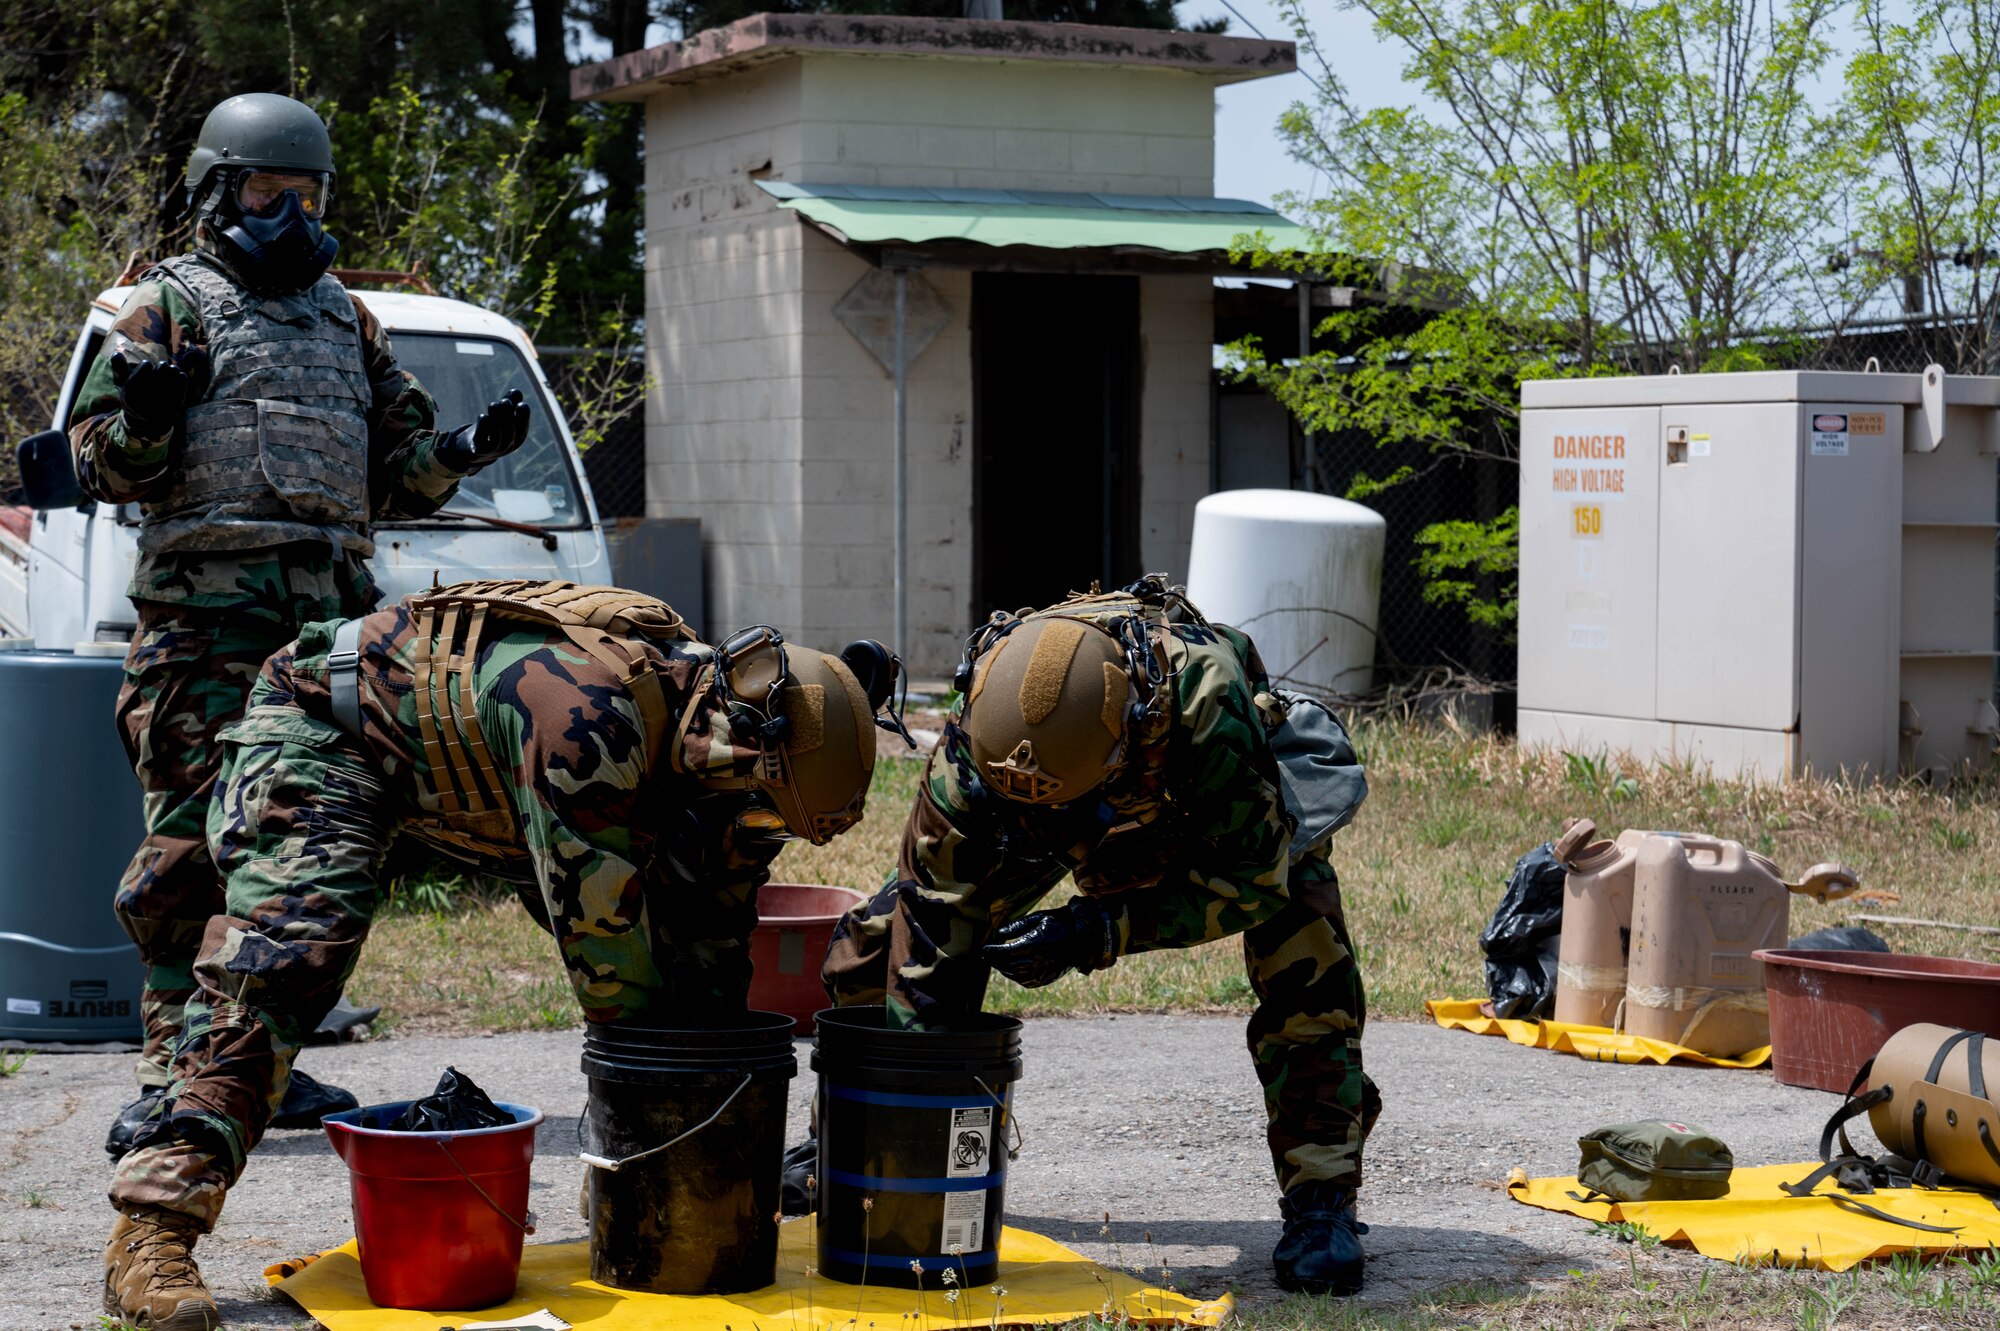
(262, 193)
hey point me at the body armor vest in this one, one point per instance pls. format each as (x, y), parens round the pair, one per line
(278, 450)
(607, 623)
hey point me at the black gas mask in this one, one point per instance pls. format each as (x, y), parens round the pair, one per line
(270, 222)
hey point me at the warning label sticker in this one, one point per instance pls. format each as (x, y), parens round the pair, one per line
(964, 1216)
(971, 1142)
(1829, 435)
(26, 1007)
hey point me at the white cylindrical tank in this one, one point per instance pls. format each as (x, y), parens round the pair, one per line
(1301, 573)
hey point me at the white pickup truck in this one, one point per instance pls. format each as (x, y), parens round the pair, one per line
(64, 567)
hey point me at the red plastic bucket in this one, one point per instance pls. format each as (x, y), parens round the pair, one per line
(1831, 1011)
(794, 925)
(439, 1216)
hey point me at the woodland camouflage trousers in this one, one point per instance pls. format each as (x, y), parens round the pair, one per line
(188, 674)
(1304, 1036)
(299, 827)
(302, 825)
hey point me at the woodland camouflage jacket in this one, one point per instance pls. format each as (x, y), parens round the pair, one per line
(1189, 842)
(584, 811)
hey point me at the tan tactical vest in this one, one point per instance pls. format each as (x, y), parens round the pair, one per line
(608, 623)
(278, 450)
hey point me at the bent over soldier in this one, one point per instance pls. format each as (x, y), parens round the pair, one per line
(1126, 741)
(575, 740)
(254, 411)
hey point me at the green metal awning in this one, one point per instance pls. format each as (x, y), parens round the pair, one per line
(1167, 226)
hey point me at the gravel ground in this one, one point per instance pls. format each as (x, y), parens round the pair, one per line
(1156, 1120)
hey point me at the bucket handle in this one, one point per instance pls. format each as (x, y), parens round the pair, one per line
(1013, 1120)
(525, 1226)
(613, 1166)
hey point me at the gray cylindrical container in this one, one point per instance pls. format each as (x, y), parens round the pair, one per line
(69, 822)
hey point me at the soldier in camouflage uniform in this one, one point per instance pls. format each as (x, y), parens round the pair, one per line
(255, 412)
(642, 786)
(1125, 741)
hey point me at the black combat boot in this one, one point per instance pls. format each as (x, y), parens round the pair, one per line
(308, 1100)
(799, 1193)
(1320, 1252)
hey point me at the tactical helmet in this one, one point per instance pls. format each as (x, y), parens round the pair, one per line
(815, 723)
(1047, 712)
(260, 180)
(260, 129)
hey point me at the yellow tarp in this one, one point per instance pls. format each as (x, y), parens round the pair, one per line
(1759, 1222)
(1042, 1282)
(1599, 1044)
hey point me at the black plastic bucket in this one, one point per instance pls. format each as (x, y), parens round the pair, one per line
(913, 1127)
(700, 1216)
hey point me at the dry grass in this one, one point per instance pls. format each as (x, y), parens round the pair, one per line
(1662, 1289)
(1421, 869)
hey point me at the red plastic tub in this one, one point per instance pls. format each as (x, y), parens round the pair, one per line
(439, 1216)
(1831, 1011)
(794, 925)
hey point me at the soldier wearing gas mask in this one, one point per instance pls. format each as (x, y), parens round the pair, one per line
(578, 741)
(255, 413)
(1126, 741)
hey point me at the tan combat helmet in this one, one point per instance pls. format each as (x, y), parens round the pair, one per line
(815, 722)
(1047, 711)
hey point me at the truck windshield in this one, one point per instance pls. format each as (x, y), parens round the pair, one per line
(533, 484)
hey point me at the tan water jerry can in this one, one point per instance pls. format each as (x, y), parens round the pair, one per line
(1700, 907)
(1596, 923)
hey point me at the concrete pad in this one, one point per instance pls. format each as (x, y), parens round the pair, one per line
(1156, 1120)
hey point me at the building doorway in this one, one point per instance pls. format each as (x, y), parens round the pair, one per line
(1055, 423)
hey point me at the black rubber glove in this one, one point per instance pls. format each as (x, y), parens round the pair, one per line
(155, 394)
(1041, 948)
(500, 429)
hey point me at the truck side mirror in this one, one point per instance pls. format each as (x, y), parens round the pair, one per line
(48, 473)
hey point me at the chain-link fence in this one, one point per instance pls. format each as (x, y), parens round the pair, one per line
(1417, 634)
(615, 464)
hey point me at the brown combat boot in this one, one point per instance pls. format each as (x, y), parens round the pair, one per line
(150, 1279)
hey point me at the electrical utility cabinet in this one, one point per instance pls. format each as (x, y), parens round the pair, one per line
(1761, 573)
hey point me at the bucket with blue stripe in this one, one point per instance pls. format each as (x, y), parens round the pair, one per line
(914, 1131)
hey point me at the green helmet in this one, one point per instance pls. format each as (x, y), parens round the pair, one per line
(260, 129)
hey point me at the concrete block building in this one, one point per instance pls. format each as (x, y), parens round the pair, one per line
(1041, 197)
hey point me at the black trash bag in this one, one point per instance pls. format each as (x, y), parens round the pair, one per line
(1843, 938)
(1521, 939)
(457, 1105)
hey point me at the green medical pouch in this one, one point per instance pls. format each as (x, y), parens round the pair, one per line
(1653, 1161)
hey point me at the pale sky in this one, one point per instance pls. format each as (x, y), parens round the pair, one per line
(1250, 159)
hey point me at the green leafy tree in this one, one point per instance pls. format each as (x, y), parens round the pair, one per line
(1576, 188)
(75, 204)
(1924, 96)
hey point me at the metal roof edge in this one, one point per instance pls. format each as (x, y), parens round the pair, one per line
(1667, 390)
(1200, 205)
(637, 74)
